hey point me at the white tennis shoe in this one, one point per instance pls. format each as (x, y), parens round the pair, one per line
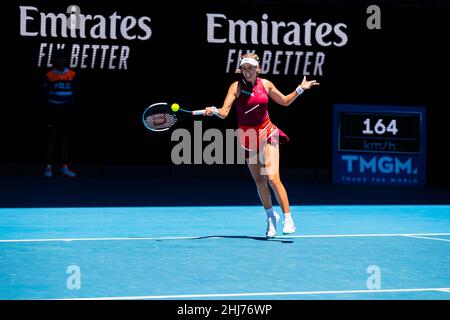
(65, 172)
(288, 225)
(272, 225)
(48, 171)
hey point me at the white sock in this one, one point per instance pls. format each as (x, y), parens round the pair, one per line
(287, 215)
(269, 212)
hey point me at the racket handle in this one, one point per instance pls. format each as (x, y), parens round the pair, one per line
(198, 112)
(202, 112)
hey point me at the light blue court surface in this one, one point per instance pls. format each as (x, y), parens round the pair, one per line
(401, 252)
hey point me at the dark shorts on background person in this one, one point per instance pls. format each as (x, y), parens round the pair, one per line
(60, 117)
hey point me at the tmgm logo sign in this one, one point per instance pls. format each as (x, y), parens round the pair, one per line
(387, 165)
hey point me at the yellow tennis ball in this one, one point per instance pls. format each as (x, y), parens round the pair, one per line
(175, 107)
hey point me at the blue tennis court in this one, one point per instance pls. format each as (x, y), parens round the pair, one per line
(220, 252)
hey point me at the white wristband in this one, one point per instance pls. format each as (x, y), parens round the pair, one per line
(299, 90)
(215, 110)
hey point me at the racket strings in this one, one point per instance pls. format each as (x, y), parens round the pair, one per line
(160, 120)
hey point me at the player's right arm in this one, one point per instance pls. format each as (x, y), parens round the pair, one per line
(233, 93)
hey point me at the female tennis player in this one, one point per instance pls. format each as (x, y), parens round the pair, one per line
(251, 95)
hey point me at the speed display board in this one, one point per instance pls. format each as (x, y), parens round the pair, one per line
(379, 144)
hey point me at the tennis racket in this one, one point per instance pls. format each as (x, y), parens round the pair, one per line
(162, 116)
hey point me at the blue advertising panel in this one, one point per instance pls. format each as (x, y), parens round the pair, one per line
(379, 145)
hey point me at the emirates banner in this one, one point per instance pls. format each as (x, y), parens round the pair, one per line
(130, 54)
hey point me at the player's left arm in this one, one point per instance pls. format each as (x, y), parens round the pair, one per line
(286, 100)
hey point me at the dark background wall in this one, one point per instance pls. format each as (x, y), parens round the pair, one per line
(403, 63)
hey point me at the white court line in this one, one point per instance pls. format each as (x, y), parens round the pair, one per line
(262, 294)
(95, 239)
(225, 236)
(420, 237)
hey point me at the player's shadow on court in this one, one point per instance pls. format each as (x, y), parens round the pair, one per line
(246, 237)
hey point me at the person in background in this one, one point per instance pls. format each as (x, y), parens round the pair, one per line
(60, 87)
